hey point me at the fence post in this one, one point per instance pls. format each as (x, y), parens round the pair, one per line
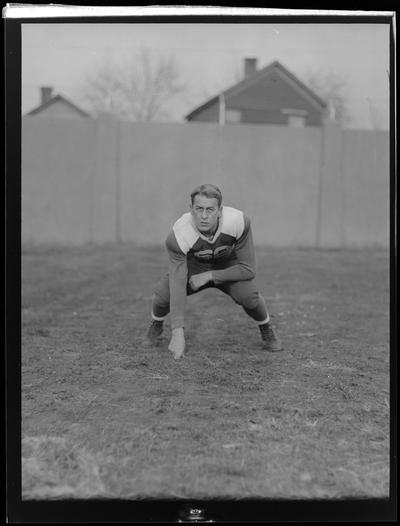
(105, 184)
(330, 197)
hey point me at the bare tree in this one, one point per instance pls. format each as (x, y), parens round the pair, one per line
(331, 87)
(138, 88)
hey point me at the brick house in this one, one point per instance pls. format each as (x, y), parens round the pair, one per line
(56, 106)
(272, 95)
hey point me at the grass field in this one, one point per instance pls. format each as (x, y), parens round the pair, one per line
(102, 415)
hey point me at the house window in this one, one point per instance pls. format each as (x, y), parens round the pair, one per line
(296, 121)
(233, 115)
(296, 117)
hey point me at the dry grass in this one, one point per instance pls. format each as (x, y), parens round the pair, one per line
(104, 415)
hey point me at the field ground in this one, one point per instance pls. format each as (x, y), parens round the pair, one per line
(102, 415)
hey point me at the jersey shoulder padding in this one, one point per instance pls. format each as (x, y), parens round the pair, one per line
(185, 234)
(232, 222)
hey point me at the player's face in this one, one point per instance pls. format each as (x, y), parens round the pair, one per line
(205, 212)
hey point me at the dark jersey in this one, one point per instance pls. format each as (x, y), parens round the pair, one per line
(229, 255)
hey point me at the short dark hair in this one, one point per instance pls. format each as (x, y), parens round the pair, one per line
(208, 190)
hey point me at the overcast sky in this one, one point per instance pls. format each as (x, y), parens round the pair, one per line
(210, 56)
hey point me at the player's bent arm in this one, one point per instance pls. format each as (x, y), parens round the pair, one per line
(199, 280)
(245, 268)
(177, 281)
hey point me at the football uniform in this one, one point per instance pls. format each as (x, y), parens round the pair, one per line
(228, 255)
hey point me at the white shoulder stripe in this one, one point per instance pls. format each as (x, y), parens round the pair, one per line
(185, 234)
(232, 222)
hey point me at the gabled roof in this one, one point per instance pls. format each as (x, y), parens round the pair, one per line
(301, 88)
(53, 100)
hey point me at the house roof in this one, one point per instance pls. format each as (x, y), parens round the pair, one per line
(57, 98)
(299, 86)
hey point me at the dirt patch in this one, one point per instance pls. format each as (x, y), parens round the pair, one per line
(54, 468)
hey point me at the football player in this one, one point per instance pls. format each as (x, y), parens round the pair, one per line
(210, 246)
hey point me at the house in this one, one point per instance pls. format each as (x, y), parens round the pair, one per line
(56, 106)
(272, 95)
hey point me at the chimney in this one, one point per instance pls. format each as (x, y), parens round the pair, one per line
(46, 93)
(250, 66)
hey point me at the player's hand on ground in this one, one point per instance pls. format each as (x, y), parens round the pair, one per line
(199, 280)
(177, 343)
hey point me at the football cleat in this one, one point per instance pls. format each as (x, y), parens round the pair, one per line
(155, 330)
(270, 341)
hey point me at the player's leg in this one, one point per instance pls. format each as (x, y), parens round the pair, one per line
(161, 305)
(160, 300)
(245, 293)
(159, 309)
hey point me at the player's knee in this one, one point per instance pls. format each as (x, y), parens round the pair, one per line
(160, 300)
(249, 300)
